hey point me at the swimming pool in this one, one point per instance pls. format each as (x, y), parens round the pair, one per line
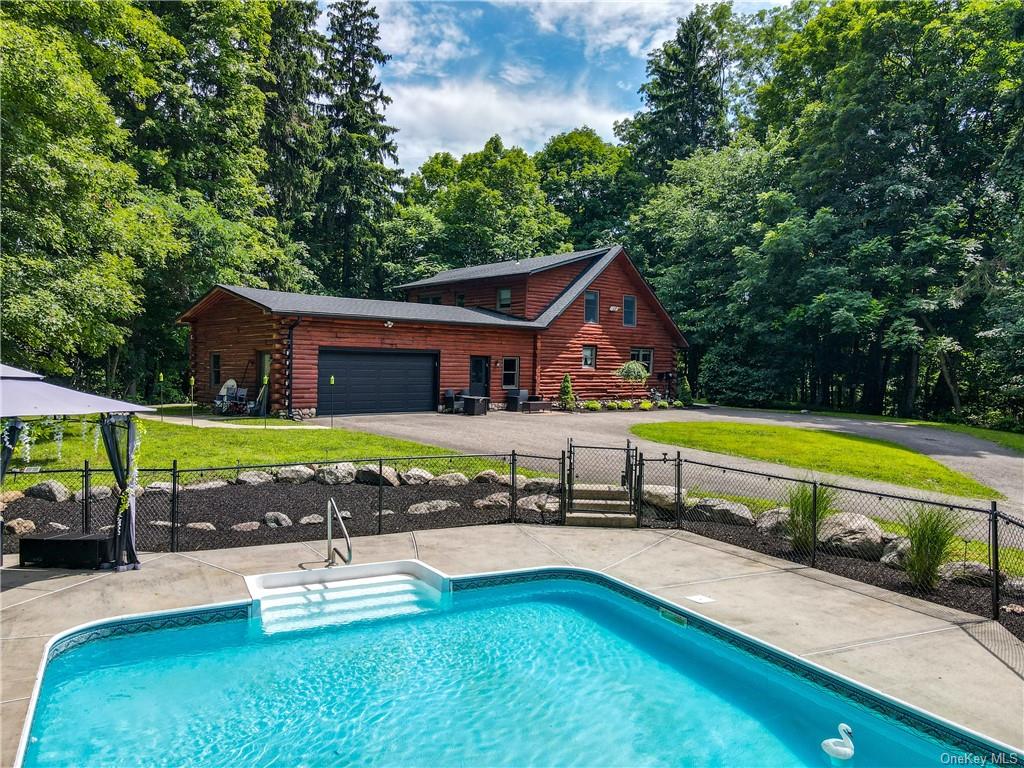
(545, 667)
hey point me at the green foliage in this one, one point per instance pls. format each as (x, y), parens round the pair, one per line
(933, 533)
(592, 405)
(662, 404)
(634, 371)
(683, 392)
(592, 182)
(625, 405)
(612, 405)
(806, 513)
(646, 405)
(678, 404)
(565, 394)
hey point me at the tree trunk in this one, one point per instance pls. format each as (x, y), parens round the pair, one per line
(908, 395)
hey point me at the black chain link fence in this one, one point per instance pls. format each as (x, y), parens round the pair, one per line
(963, 557)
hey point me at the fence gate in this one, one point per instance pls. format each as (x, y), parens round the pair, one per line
(601, 484)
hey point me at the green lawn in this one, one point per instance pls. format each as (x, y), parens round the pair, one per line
(162, 442)
(1011, 560)
(820, 451)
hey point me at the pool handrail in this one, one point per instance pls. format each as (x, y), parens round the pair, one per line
(332, 513)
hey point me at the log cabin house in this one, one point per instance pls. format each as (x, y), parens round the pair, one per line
(484, 330)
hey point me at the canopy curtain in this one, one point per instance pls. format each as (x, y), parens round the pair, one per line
(11, 431)
(118, 431)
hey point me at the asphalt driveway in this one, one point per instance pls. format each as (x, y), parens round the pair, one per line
(547, 433)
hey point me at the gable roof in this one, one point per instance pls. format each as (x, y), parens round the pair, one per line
(508, 268)
(305, 304)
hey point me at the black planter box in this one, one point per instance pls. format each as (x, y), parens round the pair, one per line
(476, 406)
(72, 550)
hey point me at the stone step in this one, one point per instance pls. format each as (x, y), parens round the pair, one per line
(617, 506)
(597, 491)
(600, 520)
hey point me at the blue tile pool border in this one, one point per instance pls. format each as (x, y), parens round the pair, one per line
(917, 721)
(191, 617)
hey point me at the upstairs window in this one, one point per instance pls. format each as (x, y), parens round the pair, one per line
(589, 356)
(510, 373)
(435, 299)
(504, 299)
(591, 307)
(460, 299)
(629, 311)
(643, 355)
(215, 369)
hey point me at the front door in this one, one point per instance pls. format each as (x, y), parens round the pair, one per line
(479, 376)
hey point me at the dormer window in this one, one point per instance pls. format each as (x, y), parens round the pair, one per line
(591, 307)
(504, 299)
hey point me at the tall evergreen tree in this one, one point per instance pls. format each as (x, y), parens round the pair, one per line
(292, 134)
(357, 185)
(685, 97)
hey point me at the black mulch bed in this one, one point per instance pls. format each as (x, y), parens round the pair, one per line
(963, 597)
(231, 504)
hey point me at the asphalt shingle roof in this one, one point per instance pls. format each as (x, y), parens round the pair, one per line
(507, 268)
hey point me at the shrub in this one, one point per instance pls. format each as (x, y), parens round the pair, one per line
(677, 403)
(663, 403)
(683, 390)
(625, 405)
(646, 405)
(565, 394)
(932, 532)
(802, 513)
(632, 370)
(611, 405)
(592, 405)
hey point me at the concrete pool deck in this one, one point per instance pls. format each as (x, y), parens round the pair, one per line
(956, 665)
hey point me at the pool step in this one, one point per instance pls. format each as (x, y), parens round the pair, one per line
(601, 519)
(613, 506)
(582, 491)
(286, 609)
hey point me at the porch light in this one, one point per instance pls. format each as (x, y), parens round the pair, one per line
(388, 324)
(613, 308)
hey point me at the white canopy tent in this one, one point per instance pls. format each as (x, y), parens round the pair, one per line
(24, 394)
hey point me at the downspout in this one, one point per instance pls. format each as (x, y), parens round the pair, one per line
(291, 366)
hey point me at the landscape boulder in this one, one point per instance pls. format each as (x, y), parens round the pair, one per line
(296, 475)
(311, 520)
(661, 496)
(969, 572)
(416, 476)
(540, 502)
(1014, 586)
(540, 485)
(851, 535)
(19, 526)
(724, 511)
(201, 526)
(774, 522)
(895, 551)
(499, 501)
(50, 490)
(248, 525)
(160, 486)
(205, 485)
(487, 476)
(369, 474)
(342, 473)
(436, 505)
(277, 520)
(450, 479)
(7, 497)
(161, 523)
(96, 493)
(254, 477)
(58, 526)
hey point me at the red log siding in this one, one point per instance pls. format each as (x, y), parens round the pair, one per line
(561, 345)
(479, 293)
(238, 331)
(544, 287)
(455, 343)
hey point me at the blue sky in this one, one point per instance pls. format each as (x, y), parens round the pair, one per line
(463, 71)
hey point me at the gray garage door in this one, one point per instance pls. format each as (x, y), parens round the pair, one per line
(374, 381)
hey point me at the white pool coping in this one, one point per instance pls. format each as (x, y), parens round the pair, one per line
(260, 584)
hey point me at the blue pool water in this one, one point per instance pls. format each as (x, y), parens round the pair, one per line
(549, 673)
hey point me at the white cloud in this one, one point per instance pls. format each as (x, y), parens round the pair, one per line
(422, 39)
(459, 117)
(520, 73)
(637, 26)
